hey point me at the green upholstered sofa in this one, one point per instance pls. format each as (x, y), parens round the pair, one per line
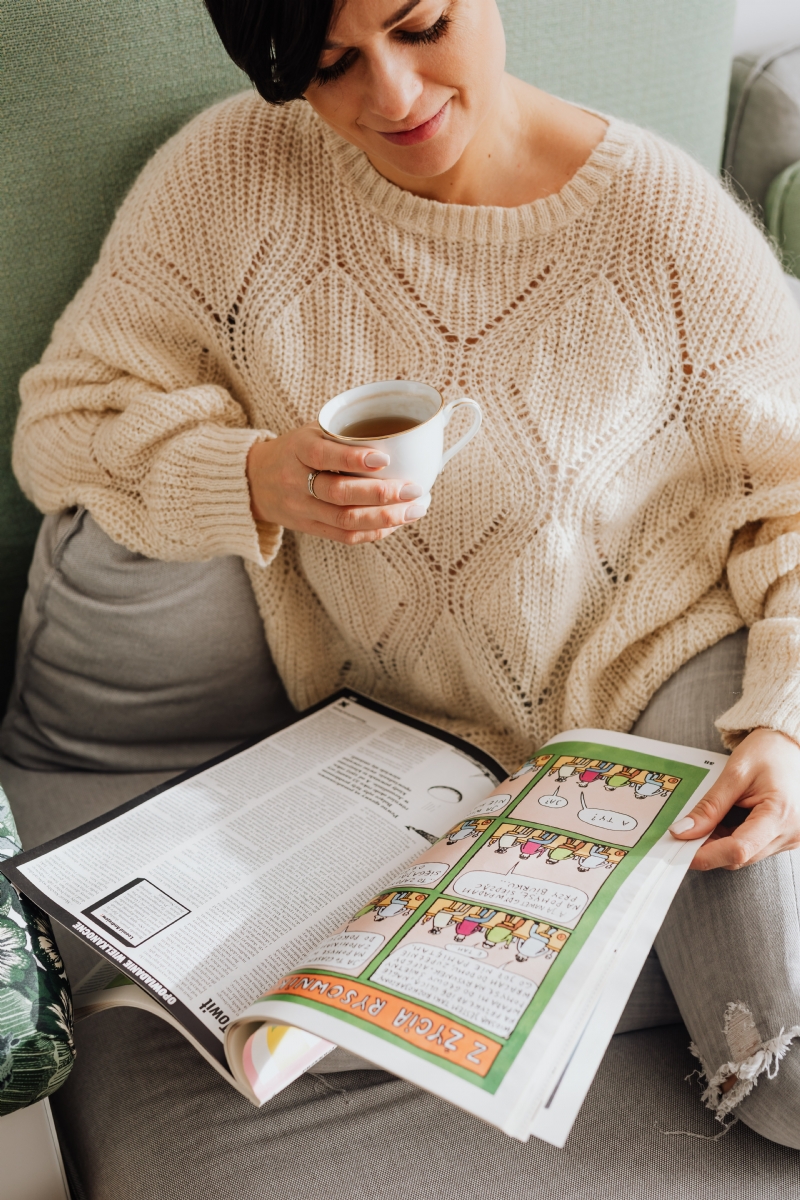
(88, 90)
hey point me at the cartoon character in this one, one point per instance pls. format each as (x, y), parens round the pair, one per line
(530, 765)
(505, 842)
(559, 854)
(653, 785)
(502, 934)
(594, 771)
(441, 919)
(536, 845)
(470, 924)
(398, 904)
(467, 829)
(618, 780)
(597, 857)
(532, 947)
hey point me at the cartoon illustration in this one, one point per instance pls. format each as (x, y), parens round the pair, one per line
(503, 933)
(389, 904)
(571, 793)
(653, 785)
(471, 828)
(473, 922)
(532, 765)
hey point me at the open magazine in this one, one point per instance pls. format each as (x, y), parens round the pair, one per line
(361, 880)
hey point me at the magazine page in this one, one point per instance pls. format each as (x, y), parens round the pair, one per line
(208, 889)
(495, 944)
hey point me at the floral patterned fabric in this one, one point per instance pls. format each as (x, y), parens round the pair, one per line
(36, 1046)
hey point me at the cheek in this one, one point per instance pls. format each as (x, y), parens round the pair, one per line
(336, 105)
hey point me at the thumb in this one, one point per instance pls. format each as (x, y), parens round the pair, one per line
(708, 812)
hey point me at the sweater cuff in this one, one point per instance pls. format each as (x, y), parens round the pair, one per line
(771, 691)
(220, 496)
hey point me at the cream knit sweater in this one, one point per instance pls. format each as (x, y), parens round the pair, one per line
(630, 340)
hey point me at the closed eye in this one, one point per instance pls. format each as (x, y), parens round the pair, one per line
(409, 37)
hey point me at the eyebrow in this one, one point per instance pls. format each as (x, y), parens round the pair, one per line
(400, 15)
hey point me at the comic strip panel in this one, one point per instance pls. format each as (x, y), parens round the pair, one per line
(432, 866)
(479, 963)
(598, 799)
(352, 946)
(507, 791)
(539, 872)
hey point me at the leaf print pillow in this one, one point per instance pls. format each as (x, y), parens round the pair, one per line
(36, 1046)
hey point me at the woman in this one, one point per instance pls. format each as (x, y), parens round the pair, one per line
(631, 499)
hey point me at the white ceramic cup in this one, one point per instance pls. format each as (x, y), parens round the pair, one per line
(417, 454)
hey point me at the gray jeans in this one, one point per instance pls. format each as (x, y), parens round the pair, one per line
(730, 946)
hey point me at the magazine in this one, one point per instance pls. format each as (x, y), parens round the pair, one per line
(363, 883)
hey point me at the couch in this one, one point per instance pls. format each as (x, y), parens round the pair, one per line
(89, 91)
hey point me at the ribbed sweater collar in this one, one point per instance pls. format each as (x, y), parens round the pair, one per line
(480, 223)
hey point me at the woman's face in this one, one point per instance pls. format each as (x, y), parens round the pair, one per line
(410, 82)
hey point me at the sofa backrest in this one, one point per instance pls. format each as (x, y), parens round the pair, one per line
(89, 88)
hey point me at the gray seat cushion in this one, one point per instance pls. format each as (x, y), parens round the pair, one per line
(125, 663)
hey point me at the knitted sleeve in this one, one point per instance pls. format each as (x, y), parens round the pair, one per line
(133, 410)
(740, 332)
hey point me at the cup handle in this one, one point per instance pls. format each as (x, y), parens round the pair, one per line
(477, 417)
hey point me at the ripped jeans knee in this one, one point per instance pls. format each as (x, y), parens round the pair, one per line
(773, 1111)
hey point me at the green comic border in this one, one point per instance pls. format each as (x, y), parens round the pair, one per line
(691, 777)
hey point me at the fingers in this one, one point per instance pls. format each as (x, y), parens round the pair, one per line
(353, 520)
(718, 800)
(318, 453)
(756, 838)
(348, 491)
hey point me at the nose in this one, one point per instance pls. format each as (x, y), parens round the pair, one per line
(392, 85)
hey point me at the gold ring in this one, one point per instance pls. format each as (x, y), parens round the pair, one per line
(312, 475)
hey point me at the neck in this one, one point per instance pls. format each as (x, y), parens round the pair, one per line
(529, 145)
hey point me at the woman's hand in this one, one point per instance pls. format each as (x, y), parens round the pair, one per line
(762, 775)
(343, 508)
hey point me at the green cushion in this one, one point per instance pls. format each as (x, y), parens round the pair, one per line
(89, 88)
(664, 64)
(782, 212)
(36, 1046)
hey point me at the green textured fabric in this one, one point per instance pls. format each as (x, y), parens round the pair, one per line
(89, 88)
(664, 64)
(36, 1035)
(782, 213)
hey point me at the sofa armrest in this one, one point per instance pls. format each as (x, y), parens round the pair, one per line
(782, 216)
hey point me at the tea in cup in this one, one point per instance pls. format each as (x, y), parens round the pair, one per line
(403, 419)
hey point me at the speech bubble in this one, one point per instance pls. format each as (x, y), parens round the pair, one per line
(549, 901)
(554, 801)
(422, 875)
(346, 951)
(605, 818)
(494, 1000)
(493, 804)
(463, 948)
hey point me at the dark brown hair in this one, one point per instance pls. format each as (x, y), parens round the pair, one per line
(276, 42)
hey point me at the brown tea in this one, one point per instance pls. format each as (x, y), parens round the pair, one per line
(378, 427)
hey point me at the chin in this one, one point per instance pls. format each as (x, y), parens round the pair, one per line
(426, 161)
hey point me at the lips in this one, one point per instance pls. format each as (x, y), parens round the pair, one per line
(420, 133)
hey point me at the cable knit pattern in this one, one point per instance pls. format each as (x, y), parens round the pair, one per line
(629, 500)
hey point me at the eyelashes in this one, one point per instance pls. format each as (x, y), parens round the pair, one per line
(422, 37)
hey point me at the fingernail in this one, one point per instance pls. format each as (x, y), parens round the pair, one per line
(376, 459)
(410, 491)
(682, 826)
(415, 511)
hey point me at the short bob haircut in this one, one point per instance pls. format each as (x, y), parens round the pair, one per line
(277, 43)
